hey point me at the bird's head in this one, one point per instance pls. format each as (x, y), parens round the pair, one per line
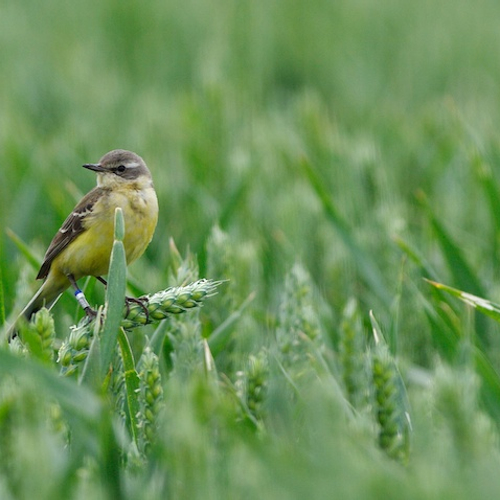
(119, 168)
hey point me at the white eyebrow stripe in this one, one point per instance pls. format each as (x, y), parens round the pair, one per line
(133, 164)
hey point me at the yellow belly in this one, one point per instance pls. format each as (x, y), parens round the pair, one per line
(90, 252)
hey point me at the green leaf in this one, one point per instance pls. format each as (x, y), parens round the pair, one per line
(444, 330)
(80, 404)
(23, 248)
(91, 372)
(485, 306)
(2, 300)
(417, 258)
(491, 191)
(111, 467)
(460, 269)
(115, 295)
(368, 268)
(458, 265)
(132, 383)
(221, 335)
(490, 389)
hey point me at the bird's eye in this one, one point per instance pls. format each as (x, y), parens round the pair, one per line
(121, 169)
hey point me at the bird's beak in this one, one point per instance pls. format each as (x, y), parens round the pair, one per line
(96, 167)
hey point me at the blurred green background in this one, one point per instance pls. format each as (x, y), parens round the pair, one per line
(359, 138)
(227, 100)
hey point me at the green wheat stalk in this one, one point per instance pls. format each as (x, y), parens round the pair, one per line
(351, 354)
(38, 336)
(252, 387)
(299, 331)
(391, 403)
(151, 392)
(159, 306)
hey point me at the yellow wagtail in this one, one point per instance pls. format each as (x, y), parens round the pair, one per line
(82, 247)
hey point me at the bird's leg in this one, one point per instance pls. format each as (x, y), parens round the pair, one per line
(80, 297)
(129, 300)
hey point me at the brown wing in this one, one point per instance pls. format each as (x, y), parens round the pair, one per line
(71, 228)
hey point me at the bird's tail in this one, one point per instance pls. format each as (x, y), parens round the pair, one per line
(39, 300)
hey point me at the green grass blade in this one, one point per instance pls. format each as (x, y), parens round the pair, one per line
(132, 383)
(115, 295)
(111, 455)
(417, 258)
(457, 264)
(441, 310)
(80, 404)
(222, 334)
(444, 331)
(367, 266)
(24, 249)
(491, 191)
(490, 387)
(91, 372)
(482, 305)
(460, 269)
(2, 299)
(484, 174)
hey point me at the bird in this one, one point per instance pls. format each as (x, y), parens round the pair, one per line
(82, 246)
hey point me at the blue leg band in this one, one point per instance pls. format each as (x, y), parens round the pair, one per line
(81, 299)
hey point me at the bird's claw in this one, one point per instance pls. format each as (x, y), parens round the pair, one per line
(90, 313)
(141, 301)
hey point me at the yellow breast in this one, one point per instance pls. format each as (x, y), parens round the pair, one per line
(89, 253)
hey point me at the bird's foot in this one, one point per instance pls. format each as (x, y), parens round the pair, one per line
(90, 313)
(141, 301)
